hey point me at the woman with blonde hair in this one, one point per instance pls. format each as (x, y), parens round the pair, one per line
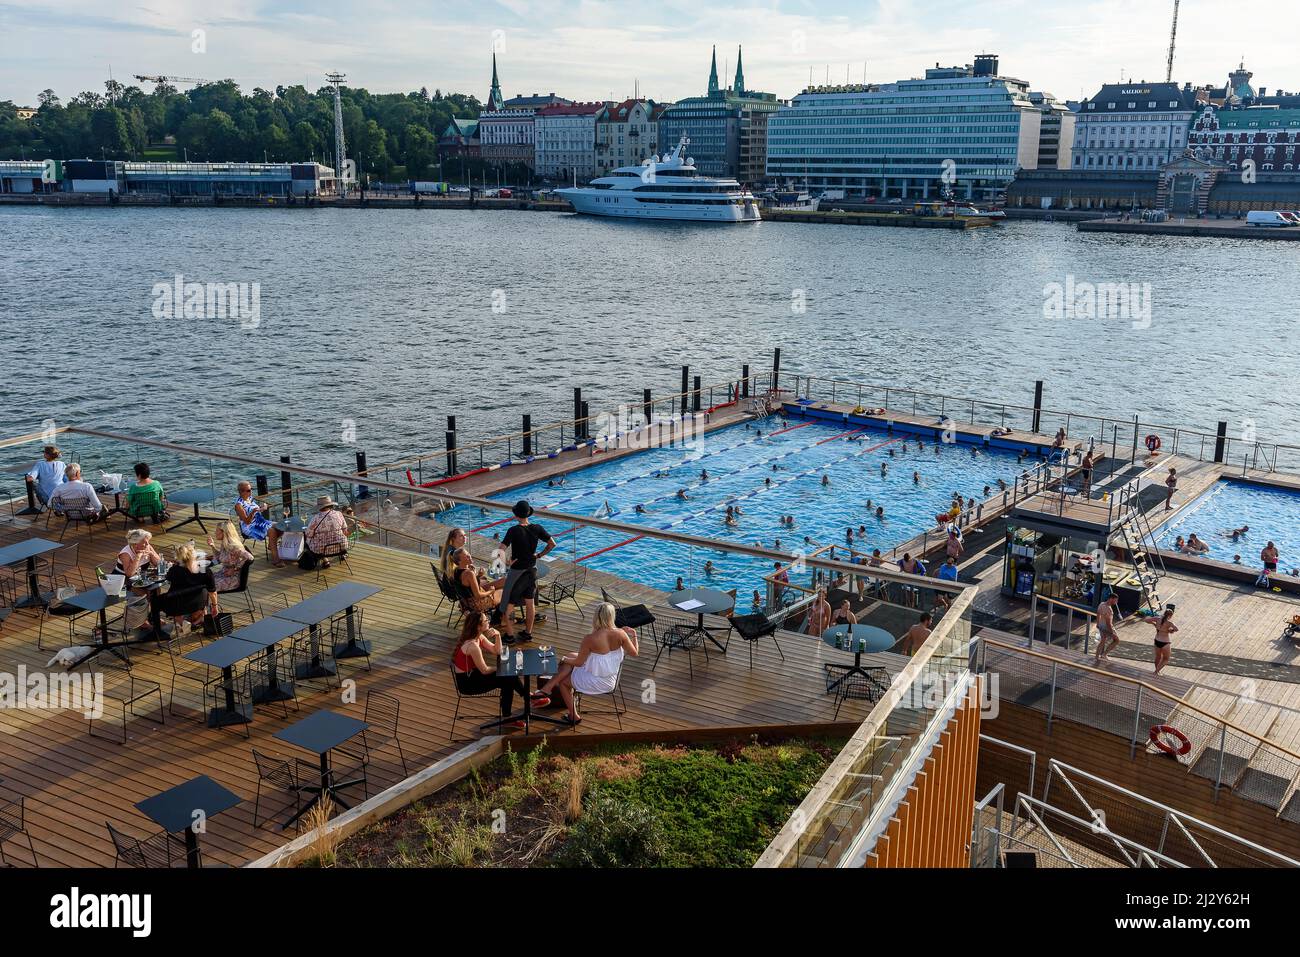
(594, 669)
(187, 598)
(137, 553)
(229, 556)
(454, 542)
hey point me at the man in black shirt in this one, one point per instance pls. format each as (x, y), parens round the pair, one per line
(520, 545)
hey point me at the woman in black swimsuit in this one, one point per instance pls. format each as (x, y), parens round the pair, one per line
(844, 615)
(1164, 636)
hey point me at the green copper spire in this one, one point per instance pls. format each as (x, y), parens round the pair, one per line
(713, 73)
(495, 99)
(740, 74)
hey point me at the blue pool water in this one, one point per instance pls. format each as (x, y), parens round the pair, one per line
(1272, 515)
(738, 460)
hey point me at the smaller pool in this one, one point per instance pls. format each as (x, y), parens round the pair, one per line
(1272, 514)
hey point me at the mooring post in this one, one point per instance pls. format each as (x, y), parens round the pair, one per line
(577, 413)
(286, 487)
(695, 398)
(362, 491)
(586, 421)
(647, 407)
(744, 381)
(1221, 442)
(528, 435)
(451, 445)
(1038, 405)
(262, 485)
(776, 368)
(686, 387)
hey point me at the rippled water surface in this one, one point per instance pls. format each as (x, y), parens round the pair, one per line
(386, 318)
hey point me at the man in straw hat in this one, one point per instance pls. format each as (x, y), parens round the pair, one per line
(327, 532)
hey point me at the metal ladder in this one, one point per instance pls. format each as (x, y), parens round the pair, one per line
(1146, 558)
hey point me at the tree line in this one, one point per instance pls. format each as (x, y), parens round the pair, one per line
(391, 136)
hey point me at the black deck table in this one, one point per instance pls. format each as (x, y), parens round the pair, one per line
(535, 666)
(195, 497)
(97, 600)
(33, 507)
(703, 601)
(182, 807)
(28, 551)
(225, 653)
(321, 733)
(323, 606)
(266, 633)
(858, 639)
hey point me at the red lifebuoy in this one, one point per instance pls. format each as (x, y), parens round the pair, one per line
(1162, 729)
(1153, 443)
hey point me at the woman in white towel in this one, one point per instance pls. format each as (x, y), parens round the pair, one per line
(595, 667)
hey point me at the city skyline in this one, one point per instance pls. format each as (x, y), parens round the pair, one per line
(588, 51)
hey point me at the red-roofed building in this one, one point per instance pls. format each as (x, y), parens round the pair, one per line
(565, 139)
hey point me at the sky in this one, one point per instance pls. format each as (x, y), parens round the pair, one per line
(604, 49)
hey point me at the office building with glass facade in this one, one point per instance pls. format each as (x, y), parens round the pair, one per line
(961, 128)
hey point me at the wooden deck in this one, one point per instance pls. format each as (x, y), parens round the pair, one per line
(73, 782)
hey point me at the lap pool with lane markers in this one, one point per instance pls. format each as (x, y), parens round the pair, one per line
(768, 475)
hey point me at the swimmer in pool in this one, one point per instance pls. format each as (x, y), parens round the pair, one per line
(1236, 533)
(862, 531)
(1195, 546)
(767, 481)
(916, 478)
(1002, 485)
(681, 586)
(891, 453)
(884, 469)
(880, 513)
(640, 509)
(1236, 559)
(681, 495)
(704, 475)
(708, 568)
(987, 491)
(826, 480)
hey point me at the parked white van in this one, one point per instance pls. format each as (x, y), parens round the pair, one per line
(1262, 217)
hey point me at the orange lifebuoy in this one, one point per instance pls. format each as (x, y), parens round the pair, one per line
(1153, 443)
(1158, 740)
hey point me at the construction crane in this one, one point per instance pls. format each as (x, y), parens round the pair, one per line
(170, 79)
(1173, 39)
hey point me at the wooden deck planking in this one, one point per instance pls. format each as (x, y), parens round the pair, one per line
(74, 783)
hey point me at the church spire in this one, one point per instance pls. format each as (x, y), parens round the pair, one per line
(740, 74)
(713, 73)
(495, 99)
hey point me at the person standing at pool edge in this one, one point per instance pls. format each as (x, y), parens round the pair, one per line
(1107, 640)
(1171, 485)
(520, 585)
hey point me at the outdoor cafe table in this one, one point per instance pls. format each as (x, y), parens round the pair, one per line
(191, 496)
(322, 606)
(265, 634)
(25, 468)
(858, 639)
(180, 808)
(29, 551)
(703, 601)
(535, 665)
(97, 600)
(320, 733)
(225, 653)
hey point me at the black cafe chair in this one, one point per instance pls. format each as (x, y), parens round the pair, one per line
(291, 776)
(242, 589)
(753, 627)
(156, 850)
(630, 616)
(13, 824)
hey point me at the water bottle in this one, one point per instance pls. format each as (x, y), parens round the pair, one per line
(519, 661)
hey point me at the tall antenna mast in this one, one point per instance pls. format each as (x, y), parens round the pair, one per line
(336, 80)
(1173, 39)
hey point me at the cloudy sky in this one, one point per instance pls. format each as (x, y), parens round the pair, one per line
(597, 49)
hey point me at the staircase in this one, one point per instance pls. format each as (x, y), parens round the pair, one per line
(1140, 541)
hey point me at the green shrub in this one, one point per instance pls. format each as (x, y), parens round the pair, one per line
(614, 832)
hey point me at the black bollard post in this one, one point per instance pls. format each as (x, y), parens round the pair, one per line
(577, 414)
(262, 485)
(286, 487)
(686, 387)
(744, 381)
(1221, 442)
(32, 508)
(528, 435)
(695, 398)
(586, 425)
(776, 368)
(647, 407)
(451, 445)
(1038, 405)
(362, 490)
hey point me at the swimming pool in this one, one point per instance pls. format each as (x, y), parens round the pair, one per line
(1272, 514)
(771, 469)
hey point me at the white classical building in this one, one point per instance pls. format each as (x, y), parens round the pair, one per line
(1129, 126)
(565, 141)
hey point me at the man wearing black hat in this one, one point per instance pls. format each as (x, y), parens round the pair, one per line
(520, 545)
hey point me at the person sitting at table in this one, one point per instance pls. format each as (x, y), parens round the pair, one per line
(76, 493)
(254, 523)
(594, 668)
(47, 474)
(229, 552)
(187, 598)
(476, 593)
(145, 497)
(454, 542)
(844, 615)
(474, 676)
(131, 560)
(327, 532)
(819, 614)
